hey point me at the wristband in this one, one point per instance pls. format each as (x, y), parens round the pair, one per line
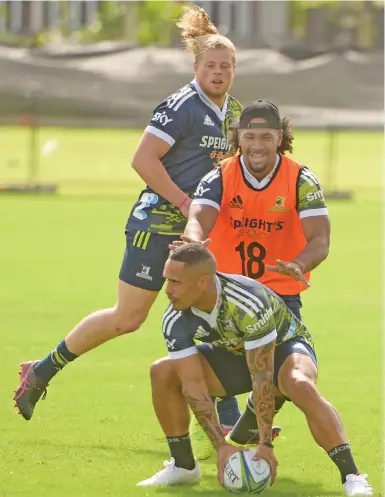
(183, 202)
(268, 444)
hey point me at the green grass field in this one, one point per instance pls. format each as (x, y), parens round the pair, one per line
(95, 435)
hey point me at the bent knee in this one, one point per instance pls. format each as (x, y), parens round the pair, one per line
(300, 389)
(162, 371)
(124, 322)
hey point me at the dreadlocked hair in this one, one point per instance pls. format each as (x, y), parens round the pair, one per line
(286, 143)
(199, 33)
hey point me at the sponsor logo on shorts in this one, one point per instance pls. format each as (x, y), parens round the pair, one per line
(145, 273)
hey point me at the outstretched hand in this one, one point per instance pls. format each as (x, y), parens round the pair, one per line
(185, 240)
(292, 269)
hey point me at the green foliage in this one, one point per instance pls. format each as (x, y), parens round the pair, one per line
(156, 21)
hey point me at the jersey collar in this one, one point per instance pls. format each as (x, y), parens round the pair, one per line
(258, 185)
(213, 316)
(221, 114)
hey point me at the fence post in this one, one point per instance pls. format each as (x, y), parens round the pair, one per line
(30, 121)
(332, 191)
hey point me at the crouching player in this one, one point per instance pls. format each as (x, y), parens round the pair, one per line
(252, 342)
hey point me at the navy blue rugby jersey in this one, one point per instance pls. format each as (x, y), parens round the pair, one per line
(197, 130)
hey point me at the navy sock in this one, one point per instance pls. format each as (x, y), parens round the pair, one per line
(228, 411)
(54, 362)
(181, 451)
(246, 428)
(343, 459)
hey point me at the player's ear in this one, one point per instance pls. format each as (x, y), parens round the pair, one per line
(204, 281)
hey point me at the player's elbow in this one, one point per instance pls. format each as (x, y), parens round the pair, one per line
(139, 161)
(320, 246)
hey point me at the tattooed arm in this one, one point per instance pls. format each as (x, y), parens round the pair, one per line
(261, 366)
(195, 390)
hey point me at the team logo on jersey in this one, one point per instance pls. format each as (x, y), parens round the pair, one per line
(208, 121)
(279, 205)
(145, 273)
(229, 325)
(236, 202)
(201, 333)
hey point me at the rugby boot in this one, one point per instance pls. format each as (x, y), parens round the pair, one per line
(29, 391)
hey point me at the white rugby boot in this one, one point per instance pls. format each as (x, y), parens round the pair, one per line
(357, 485)
(172, 475)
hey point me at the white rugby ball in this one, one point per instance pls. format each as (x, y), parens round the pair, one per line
(243, 475)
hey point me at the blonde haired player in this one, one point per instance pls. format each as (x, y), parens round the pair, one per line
(184, 139)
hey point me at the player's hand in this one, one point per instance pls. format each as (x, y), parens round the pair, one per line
(186, 207)
(223, 453)
(185, 240)
(264, 452)
(292, 269)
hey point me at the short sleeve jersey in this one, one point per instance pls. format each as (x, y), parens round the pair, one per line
(196, 130)
(247, 316)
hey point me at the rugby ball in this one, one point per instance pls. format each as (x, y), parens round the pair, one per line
(243, 475)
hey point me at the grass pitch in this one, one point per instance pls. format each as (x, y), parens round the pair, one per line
(95, 435)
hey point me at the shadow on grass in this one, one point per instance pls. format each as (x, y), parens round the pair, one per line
(286, 487)
(124, 448)
(283, 487)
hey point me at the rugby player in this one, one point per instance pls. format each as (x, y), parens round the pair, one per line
(252, 342)
(184, 139)
(271, 213)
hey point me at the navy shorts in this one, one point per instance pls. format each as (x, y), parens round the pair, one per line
(294, 303)
(233, 372)
(144, 259)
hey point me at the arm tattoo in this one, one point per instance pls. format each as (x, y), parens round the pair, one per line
(261, 365)
(203, 407)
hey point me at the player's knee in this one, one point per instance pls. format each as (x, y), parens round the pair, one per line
(127, 322)
(301, 390)
(163, 374)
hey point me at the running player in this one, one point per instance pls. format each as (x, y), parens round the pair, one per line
(269, 209)
(184, 139)
(253, 342)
